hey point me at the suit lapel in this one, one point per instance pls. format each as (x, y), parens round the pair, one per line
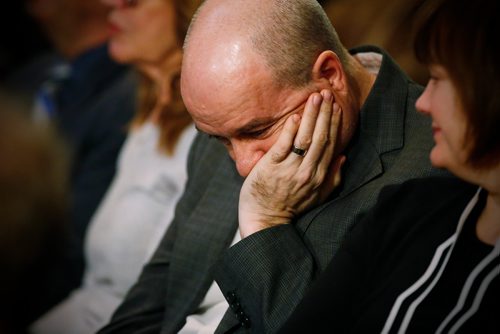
(380, 130)
(381, 125)
(363, 164)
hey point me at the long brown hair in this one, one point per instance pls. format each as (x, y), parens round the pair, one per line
(174, 117)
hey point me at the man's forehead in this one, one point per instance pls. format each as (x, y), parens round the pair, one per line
(237, 107)
(246, 122)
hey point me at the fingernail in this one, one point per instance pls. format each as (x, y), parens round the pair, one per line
(316, 99)
(327, 95)
(336, 107)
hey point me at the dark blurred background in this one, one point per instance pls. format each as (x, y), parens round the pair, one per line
(385, 23)
(388, 24)
(20, 36)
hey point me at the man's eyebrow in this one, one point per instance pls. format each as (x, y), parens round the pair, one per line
(256, 124)
(253, 125)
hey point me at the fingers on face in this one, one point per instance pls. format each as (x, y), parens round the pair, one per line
(315, 131)
(332, 168)
(335, 124)
(332, 134)
(308, 122)
(281, 149)
(321, 135)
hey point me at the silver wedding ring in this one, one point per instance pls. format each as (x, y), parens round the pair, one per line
(299, 151)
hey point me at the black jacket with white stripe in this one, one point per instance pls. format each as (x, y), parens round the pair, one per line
(408, 267)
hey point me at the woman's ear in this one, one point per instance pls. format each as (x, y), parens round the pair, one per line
(328, 67)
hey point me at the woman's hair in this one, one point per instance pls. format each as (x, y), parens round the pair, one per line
(461, 36)
(174, 117)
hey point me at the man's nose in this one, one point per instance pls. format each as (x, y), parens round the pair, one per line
(245, 156)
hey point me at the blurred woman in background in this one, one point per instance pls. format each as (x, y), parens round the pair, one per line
(151, 174)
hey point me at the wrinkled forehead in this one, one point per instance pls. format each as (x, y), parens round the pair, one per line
(243, 106)
(213, 101)
(224, 79)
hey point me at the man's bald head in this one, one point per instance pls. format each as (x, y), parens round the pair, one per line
(250, 64)
(288, 35)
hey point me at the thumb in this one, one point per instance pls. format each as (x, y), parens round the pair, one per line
(337, 170)
(334, 177)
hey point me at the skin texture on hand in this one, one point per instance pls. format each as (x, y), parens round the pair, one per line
(284, 184)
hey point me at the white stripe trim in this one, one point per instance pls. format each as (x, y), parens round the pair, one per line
(418, 300)
(467, 286)
(432, 267)
(397, 305)
(477, 300)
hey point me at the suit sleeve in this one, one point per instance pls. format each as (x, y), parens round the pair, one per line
(144, 305)
(265, 276)
(329, 303)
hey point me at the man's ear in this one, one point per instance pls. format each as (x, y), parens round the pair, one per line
(328, 67)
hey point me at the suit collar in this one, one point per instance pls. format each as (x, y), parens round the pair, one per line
(381, 124)
(380, 130)
(381, 117)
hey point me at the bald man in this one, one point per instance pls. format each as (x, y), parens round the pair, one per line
(248, 66)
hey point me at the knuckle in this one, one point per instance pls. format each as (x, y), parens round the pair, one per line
(304, 142)
(276, 156)
(305, 177)
(322, 138)
(320, 176)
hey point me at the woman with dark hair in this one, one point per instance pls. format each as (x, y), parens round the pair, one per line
(427, 258)
(151, 174)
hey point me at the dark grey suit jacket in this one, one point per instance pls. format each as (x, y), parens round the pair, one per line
(265, 275)
(175, 281)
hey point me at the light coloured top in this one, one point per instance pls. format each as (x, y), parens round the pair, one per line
(124, 231)
(211, 310)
